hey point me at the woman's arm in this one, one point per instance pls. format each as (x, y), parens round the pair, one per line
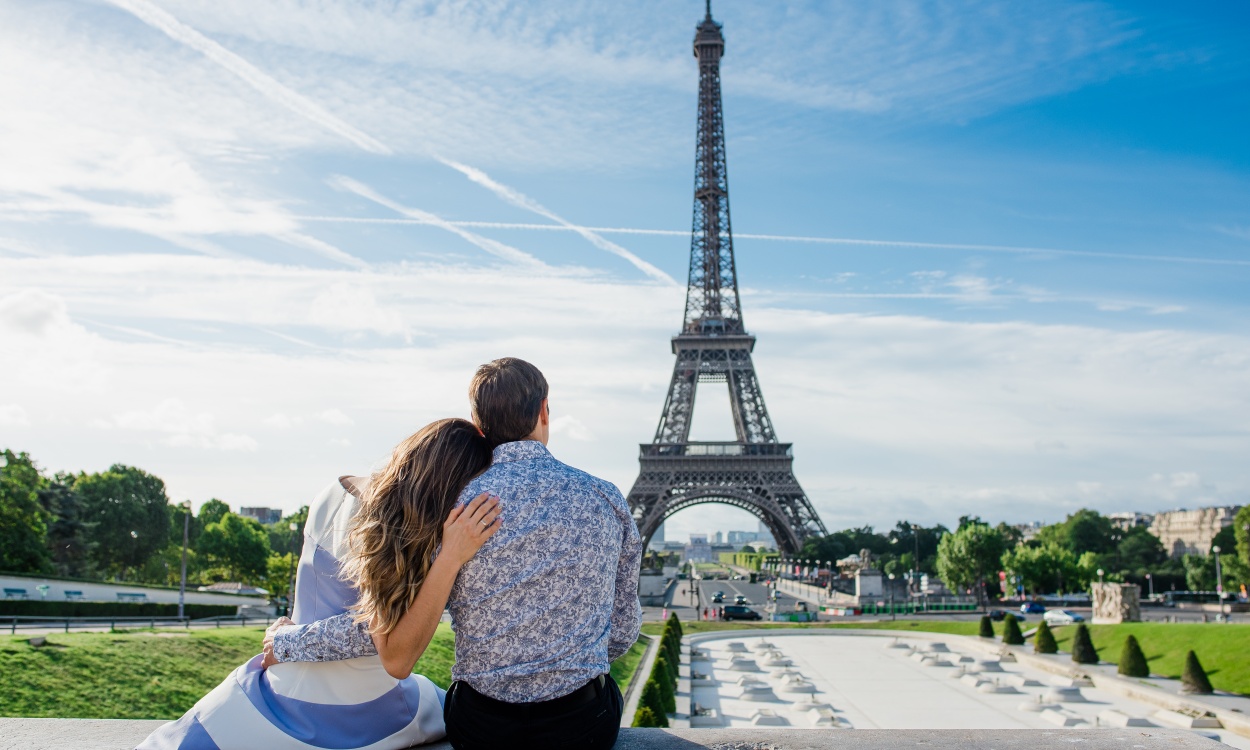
(467, 528)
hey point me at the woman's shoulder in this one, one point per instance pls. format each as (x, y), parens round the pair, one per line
(330, 513)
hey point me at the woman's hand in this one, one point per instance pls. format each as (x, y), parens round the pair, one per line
(468, 527)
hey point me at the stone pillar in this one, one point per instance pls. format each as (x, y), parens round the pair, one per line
(1116, 603)
(868, 585)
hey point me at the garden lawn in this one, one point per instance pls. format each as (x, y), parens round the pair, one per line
(161, 674)
(1223, 649)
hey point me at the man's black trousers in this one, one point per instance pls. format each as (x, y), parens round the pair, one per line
(588, 718)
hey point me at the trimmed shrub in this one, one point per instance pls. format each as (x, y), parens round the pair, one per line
(676, 624)
(1011, 631)
(1044, 640)
(1083, 651)
(645, 717)
(1132, 660)
(664, 670)
(1194, 679)
(987, 627)
(653, 699)
(668, 694)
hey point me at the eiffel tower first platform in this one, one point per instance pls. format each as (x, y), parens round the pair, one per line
(754, 472)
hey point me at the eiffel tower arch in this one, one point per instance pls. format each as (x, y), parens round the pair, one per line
(755, 471)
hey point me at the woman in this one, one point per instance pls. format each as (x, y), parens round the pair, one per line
(388, 549)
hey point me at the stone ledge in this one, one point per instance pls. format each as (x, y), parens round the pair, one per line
(103, 734)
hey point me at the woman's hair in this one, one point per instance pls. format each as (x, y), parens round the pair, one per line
(400, 521)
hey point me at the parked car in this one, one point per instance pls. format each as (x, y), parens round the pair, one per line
(1032, 608)
(1062, 617)
(740, 599)
(997, 615)
(739, 612)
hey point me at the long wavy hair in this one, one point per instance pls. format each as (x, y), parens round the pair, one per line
(400, 521)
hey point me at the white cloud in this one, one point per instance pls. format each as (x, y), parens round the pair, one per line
(571, 427)
(13, 415)
(179, 426)
(335, 417)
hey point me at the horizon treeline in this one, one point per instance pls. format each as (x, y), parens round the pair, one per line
(119, 525)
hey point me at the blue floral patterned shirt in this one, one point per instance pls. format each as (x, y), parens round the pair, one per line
(546, 604)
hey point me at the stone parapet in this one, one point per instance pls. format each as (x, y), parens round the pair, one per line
(97, 734)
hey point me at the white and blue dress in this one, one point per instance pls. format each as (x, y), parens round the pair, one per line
(341, 705)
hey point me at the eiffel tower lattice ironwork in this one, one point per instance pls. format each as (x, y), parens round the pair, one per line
(755, 472)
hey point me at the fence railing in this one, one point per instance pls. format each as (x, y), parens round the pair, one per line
(15, 622)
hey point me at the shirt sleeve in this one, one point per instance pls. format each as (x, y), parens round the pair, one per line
(332, 639)
(626, 611)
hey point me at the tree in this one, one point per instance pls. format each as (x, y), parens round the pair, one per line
(1011, 631)
(663, 675)
(212, 512)
(69, 536)
(23, 521)
(645, 717)
(1139, 550)
(1194, 678)
(281, 539)
(966, 557)
(1083, 651)
(1199, 572)
(1132, 660)
(1044, 640)
(1043, 568)
(1241, 530)
(237, 544)
(987, 627)
(129, 513)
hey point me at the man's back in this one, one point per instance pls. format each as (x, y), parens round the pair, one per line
(551, 598)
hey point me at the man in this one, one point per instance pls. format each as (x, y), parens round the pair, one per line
(548, 602)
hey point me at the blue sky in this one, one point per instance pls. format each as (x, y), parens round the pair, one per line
(995, 252)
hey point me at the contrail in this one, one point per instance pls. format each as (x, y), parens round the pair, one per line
(516, 198)
(322, 248)
(507, 252)
(250, 74)
(1012, 249)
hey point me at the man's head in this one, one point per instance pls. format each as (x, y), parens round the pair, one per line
(508, 401)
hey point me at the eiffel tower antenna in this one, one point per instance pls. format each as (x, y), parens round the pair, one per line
(754, 472)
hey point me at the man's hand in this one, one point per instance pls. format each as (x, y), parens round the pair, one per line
(270, 632)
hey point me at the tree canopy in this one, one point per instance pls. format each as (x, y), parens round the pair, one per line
(23, 520)
(130, 514)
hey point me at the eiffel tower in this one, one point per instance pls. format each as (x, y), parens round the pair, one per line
(755, 472)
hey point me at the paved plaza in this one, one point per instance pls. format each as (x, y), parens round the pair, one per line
(869, 682)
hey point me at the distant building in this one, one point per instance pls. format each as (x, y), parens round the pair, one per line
(658, 536)
(765, 535)
(1028, 531)
(1126, 521)
(1191, 532)
(698, 550)
(264, 515)
(716, 537)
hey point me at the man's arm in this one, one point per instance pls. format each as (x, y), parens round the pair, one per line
(626, 612)
(332, 639)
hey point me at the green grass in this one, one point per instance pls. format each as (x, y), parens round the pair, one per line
(159, 675)
(623, 668)
(1223, 649)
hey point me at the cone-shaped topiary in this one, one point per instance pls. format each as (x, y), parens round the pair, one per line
(1132, 660)
(1044, 640)
(676, 624)
(668, 693)
(987, 627)
(652, 698)
(1011, 631)
(663, 670)
(1194, 679)
(645, 717)
(1083, 651)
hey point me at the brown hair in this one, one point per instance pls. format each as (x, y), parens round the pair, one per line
(505, 398)
(400, 521)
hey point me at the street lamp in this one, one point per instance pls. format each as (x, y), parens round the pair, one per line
(1150, 583)
(915, 561)
(1100, 575)
(186, 531)
(1219, 579)
(891, 597)
(290, 592)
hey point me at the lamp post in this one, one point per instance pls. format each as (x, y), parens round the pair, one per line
(915, 561)
(186, 532)
(891, 597)
(290, 592)
(1219, 579)
(1150, 583)
(1100, 575)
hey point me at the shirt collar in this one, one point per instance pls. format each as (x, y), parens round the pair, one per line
(519, 450)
